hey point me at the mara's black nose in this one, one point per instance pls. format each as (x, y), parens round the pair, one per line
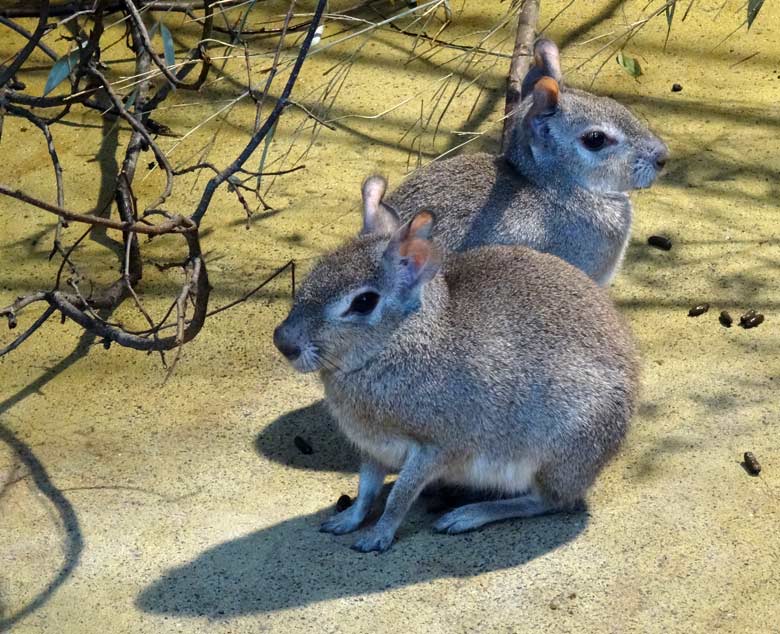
(286, 347)
(661, 156)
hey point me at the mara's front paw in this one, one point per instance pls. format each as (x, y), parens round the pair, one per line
(460, 520)
(374, 539)
(342, 523)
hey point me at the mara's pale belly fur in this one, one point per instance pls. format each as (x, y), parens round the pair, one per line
(503, 476)
(478, 471)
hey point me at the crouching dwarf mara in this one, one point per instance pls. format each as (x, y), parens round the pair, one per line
(499, 368)
(561, 185)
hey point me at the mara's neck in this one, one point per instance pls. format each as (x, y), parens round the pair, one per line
(522, 160)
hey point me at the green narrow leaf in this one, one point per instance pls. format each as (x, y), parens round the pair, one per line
(244, 17)
(753, 7)
(170, 58)
(263, 158)
(629, 64)
(131, 99)
(60, 70)
(669, 17)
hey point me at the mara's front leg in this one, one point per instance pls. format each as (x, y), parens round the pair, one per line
(372, 477)
(421, 466)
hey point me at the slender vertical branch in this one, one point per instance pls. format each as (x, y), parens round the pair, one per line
(521, 62)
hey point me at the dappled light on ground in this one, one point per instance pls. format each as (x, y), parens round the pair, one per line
(188, 507)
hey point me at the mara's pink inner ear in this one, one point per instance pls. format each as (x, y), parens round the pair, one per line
(547, 63)
(546, 93)
(421, 225)
(412, 242)
(422, 255)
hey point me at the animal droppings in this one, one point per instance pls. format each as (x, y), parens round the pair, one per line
(752, 321)
(725, 319)
(303, 446)
(746, 316)
(750, 463)
(676, 87)
(660, 242)
(698, 310)
(343, 503)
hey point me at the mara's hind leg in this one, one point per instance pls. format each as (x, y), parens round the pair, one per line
(558, 486)
(471, 516)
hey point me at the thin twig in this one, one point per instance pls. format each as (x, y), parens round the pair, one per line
(9, 71)
(26, 34)
(216, 181)
(521, 62)
(21, 338)
(177, 224)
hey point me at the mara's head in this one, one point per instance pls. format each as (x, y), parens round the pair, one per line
(355, 297)
(569, 135)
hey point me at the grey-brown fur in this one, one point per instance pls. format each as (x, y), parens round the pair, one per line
(548, 191)
(499, 368)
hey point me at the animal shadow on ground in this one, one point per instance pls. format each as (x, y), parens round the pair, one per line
(330, 450)
(291, 564)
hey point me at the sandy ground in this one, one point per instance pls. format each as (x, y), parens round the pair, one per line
(131, 506)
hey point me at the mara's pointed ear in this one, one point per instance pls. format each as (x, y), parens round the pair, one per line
(421, 226)
(547, 63)
(412, 254)
(545, 103)
(378, 218)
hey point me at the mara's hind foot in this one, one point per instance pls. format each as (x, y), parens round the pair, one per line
(472, 516)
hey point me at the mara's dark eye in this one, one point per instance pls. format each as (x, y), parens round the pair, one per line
(594, 140)
(364, 303)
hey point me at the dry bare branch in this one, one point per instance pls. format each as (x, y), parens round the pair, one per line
(521, 62)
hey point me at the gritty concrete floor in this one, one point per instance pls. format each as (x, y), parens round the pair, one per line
(131, 506)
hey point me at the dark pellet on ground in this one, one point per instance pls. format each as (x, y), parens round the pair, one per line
(303, 446)
(660, 242)
(751, 464)
(752, 321)
(725, 319)
(698, 310)
(676, 87)
(746, 316)
(343, 503)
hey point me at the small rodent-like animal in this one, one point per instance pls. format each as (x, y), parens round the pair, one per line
(499, 368)
(560, 187)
